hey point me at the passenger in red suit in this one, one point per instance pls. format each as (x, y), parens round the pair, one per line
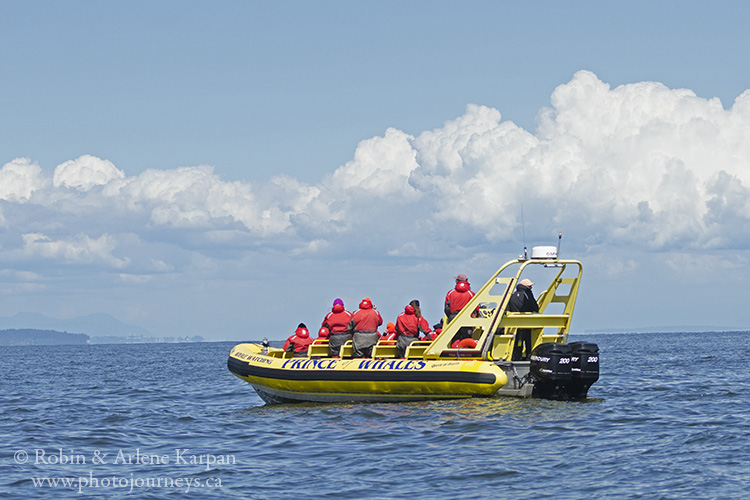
(390, 332)
(364, 328)
(298, 343)
(323, 333)
(409, 325)
(458, 297)
(455, 300)
(337, 321)
(437, 329)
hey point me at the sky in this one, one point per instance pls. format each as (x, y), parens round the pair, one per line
(229, 169)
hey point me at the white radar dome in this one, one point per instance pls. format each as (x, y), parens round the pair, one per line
(544, 253)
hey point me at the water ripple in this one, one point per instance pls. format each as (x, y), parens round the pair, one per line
(667, 420)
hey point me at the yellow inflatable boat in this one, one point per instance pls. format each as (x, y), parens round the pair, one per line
(279, 379)
(435, 370)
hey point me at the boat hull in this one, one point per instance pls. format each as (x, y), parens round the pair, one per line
(282, 380)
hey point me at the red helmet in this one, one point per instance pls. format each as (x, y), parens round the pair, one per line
(409, 309)
(462, 286)
(365, 304)
(302, 332)
(323, 332)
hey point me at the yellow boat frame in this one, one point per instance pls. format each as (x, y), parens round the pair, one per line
(430, 370)
(494, 327)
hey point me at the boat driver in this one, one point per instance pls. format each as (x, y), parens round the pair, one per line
(523, 300)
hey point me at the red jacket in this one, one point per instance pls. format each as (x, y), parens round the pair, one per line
(408, 323)
(337, 321)
(300, 341)
(390, 333)
(455, 300)
(433, 335)
(365, 320)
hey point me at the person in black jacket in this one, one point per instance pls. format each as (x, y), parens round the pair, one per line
(523, 300)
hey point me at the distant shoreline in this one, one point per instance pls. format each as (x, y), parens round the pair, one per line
(31, 336)
(28, 336)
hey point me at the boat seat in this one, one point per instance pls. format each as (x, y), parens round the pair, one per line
(417, 348)
(318, 349)
(346, 350)
(278, 353)
(384, 349)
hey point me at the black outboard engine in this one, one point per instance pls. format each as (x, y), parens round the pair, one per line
(584, 367)
(550, 370)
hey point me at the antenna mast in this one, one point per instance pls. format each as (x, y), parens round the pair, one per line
(523, 232)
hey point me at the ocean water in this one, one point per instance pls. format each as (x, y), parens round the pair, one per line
(669, 418)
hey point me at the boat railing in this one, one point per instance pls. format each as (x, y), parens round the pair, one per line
(417, 348)
(279, 353)
(535, 320)
(502, 345)
(384, 349)
(346, 350)
(318, 349)
(504, 338)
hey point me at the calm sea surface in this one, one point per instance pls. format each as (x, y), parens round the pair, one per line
(669, 418)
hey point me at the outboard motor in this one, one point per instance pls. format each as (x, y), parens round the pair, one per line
(550, 370)
(584, 367)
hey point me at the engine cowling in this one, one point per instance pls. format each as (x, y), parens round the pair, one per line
(550, 369)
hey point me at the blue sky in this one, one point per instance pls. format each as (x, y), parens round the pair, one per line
(221, 169)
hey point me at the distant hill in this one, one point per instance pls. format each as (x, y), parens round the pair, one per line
(41, 337)
(103, 325)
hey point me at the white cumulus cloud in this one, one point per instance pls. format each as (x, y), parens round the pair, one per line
(644, 181)
(19, 179)
(639, 165)
(78, 249)
(85, 172)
